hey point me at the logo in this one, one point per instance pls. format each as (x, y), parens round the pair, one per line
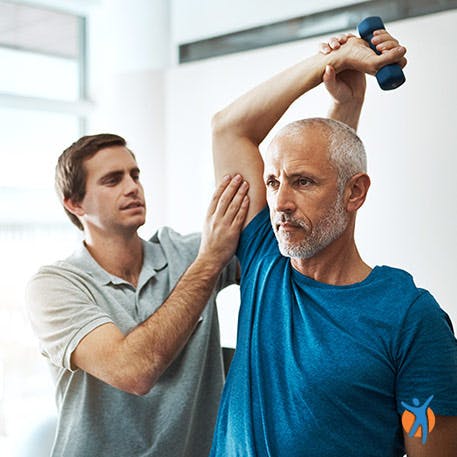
(418, 420)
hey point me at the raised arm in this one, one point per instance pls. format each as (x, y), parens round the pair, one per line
(239, 129)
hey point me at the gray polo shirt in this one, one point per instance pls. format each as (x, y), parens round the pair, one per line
(70, 298)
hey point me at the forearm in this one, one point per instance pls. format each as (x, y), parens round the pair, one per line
(254, 114)
(348, 113)
(150, 348)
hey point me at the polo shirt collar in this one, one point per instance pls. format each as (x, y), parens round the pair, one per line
(154, 260)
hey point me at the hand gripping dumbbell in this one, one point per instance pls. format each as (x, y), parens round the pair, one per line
(390, 76)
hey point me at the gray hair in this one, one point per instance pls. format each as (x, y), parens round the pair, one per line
(346, 150)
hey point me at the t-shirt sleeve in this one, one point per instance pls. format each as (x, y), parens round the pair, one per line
(229, 275)
(427, 358)
(257, 238)
(61, 312)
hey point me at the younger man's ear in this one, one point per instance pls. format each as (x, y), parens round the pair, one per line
(73, 207)
(356, 191)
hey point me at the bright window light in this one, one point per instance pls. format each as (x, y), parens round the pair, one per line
(38, 75)
(41, 59)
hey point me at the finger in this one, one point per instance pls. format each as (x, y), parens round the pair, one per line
(324, 48)
(395, 55)
(386, 45)
(399, 52)
(382, 36)
(217, 193)
(227, 195)
(329, 77)
(343, 38)
(403, 61)
(240, 217)
(379, 31)
(236, 202)
(334, 43)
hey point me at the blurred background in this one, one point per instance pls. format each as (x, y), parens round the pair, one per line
(154, 71)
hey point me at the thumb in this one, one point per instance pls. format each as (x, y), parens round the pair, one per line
(329, 78)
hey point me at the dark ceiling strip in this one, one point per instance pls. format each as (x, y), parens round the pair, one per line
(322, 23)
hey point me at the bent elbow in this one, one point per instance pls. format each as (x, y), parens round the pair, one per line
(138, 382)
(139, 386)
(218, 123)
(141, 389)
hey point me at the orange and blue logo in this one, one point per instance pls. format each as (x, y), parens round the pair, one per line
(418, 420)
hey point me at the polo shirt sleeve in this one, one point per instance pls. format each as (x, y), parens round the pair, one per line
(427, 357)
(61, 312)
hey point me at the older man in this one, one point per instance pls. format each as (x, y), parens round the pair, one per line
(328, 347)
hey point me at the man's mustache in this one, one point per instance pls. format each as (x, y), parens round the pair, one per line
(283, 218)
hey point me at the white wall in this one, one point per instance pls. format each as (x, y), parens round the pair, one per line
(410, 218)
(164, 110)
(198, 19)
(129, 48)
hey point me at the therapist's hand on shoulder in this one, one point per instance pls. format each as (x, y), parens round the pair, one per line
(224, 221)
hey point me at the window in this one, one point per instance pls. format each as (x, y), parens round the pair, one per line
(42, 109)
(38, 75)
(41, 52)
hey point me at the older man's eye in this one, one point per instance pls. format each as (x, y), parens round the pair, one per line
(304, 181)
(271, 182)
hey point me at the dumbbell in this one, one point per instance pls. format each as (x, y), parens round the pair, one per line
(390, 76)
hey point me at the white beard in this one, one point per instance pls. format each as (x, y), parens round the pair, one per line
(329, 228)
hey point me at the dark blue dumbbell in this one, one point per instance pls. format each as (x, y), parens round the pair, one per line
(390, 76)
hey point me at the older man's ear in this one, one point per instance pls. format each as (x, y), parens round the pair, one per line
(356, 191)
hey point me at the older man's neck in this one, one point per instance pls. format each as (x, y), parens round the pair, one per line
(338, 265)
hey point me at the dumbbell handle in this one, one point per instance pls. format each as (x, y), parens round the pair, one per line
(390, 76)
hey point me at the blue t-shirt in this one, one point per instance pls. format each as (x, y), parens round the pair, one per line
(321, 370)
